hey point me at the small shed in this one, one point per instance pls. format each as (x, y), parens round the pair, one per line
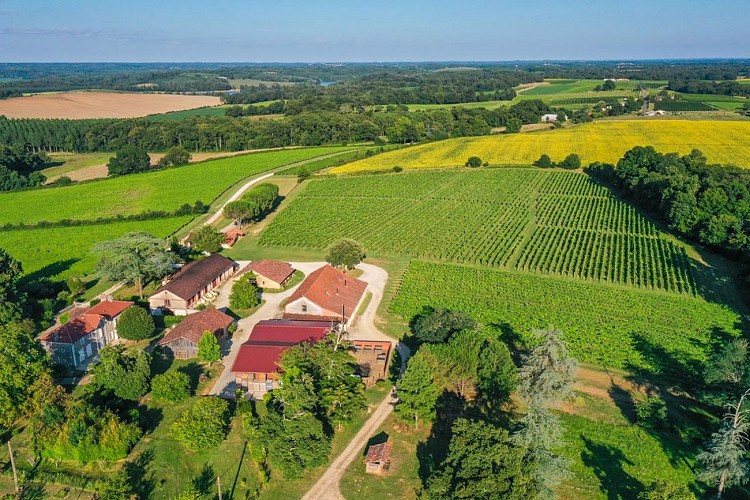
(183, 339)
(378, 459)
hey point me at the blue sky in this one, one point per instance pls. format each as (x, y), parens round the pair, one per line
(355, 30)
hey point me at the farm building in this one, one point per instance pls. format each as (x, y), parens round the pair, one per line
(549, 118)
(256, 367)
(378, 458)
(658, 112)
(372, 359)
(183, 339)
(231, 237)
(77, 342)
(191, 285)
(326, 294)
(271, 273)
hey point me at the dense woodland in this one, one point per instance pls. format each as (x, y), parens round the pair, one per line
(234, 134)
(707, 203)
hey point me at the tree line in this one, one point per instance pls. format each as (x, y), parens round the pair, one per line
(17, 168)
(234, 134)
(707, 203)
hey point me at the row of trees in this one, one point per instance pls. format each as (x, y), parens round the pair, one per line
(226, 133)
(708, 203)
(254, 203)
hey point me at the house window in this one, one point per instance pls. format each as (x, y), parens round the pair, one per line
(304, 308)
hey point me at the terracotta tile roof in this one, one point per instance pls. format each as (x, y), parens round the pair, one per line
(379, 453)
(195, 276)
(84, 321)
(192, 327)
(272, 269)
(331, 289)
(270, 339)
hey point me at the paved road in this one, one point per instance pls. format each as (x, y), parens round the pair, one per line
(327, 486)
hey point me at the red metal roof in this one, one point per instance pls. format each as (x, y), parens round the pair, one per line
(256, 358)
(332, 290)
(195, 325)
(270, 338)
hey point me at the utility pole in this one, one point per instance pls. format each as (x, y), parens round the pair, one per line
(13, 464)
(218, 485)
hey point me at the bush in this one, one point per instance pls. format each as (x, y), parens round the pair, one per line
(398, 169)
(665, 490)
(204, 426)
(571, 162)
(474, 162)
(172, 386)
(544, 161)
(244, 293)
(652, 413)
(176, 156)
(135, 323)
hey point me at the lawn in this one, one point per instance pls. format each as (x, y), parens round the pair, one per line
(607, 141)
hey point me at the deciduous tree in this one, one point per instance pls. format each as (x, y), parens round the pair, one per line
(437, 325)
(126, 374)
(345, 253)
(204, 426)
(128, 160)
(175, 157)
(135, 323)
(172, 386)
(244, 293)
(417, 392)
(209, 349)
(207, 239)
(134, 258)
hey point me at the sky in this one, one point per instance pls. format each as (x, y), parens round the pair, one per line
(364, 31)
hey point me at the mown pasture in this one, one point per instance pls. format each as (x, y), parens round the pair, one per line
(614, 326)
(726, 142)
(551, 222)
(163, 190)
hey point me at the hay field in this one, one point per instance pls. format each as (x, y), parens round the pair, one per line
(726, 142)
(79, 105)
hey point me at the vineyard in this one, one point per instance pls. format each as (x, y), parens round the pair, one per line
(721, 141)
(551, 222)
(160, 190)
(606, 325)
(683, 106)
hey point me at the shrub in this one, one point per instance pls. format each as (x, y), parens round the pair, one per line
(135, 323)
(474, 162)
(652, 413)
(176, 156)
(665, 490)
(204, 426)
(398, 168)
(244, 293)
(544, 161)
(571, 162)
(173, 386)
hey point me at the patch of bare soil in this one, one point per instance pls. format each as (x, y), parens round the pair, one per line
(79, 105)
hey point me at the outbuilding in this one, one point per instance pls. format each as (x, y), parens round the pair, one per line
(271, 273)
(183, 338)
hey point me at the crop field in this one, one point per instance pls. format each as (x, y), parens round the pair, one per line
(558, 223)
(79, 105)
(606, 325)
(163, 190)
(58, 252)
(683, 106)
(181, 115)
(721, 141)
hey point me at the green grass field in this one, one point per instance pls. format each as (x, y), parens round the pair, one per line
(558, 223)
(64, 163)
(160, 190)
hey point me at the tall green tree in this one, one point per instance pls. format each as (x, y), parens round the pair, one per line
(134, 258)
(482, 462)
(22, 361)
(204, 426)
(10, 299)
(129, 160)
(175, 157)
(245, 293)
(209, 350)
(135, 323)
(207, 239)
(724, 462)
(417, 391)
(435, 324)
(546, 376)
(241, 211)
(497, 376)
(345, 253)
(125, 374)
